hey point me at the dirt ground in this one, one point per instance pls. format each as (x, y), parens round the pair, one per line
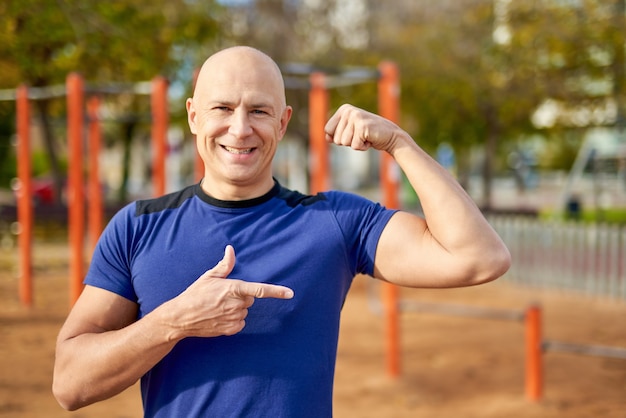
(451, 366)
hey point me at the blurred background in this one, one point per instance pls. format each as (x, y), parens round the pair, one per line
(523, 101)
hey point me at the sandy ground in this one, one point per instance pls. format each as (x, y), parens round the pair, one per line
(451, 366)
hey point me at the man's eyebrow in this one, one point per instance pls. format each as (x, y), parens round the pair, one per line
(220, 103)
(260, 105)
(257, 105)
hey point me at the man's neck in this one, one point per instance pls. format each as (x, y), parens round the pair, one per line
(235, 191)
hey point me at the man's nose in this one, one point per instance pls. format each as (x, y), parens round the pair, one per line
(240, 124)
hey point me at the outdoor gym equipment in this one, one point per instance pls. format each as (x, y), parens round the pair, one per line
(388, 80)
(535, 346)
(386, 75)
(74, 90)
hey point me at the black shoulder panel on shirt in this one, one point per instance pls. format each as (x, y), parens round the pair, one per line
(168, 201)
(293, 198)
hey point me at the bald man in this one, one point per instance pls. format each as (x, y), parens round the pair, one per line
(211, 332)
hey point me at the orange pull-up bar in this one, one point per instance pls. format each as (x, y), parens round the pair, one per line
(534, 366)
(159, 133)
(388, 103)
(318, 148)
(95, 216)
(76, 198)
(25, 205)
(389, 107)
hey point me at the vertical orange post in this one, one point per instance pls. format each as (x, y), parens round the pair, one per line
(198, 166)
(318, 147)
(159, 133)
(24, 198)
(534, 369)
(95, 215)
(76, 199)
(389, 107)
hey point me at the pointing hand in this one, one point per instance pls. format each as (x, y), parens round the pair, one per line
(216, 305)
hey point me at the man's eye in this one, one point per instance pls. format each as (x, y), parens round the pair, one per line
(259, 112)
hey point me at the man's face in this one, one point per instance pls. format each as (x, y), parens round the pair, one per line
(238, 115)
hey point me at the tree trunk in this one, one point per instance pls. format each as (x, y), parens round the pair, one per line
(463, 167)
(488, 172)
(49, 144)
(618, 64)
(128, 129)
(491, 145)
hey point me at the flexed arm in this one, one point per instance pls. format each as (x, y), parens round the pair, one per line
(453, 245)
(102, 349)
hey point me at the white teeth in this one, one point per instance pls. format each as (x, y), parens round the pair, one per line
(238, 150)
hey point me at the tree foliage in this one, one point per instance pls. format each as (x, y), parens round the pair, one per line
(132, 40)
(474, 73)
(478, 70)
(41, 42)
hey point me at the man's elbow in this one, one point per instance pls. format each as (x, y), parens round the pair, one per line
(494, 265)
(64, 399)
(68, 399)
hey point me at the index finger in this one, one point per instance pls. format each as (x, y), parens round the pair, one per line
(331, 125)
(264, 290)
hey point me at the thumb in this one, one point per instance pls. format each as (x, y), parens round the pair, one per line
(225, 266)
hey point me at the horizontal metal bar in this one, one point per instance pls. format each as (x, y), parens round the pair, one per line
(296, 76)
(7, 95)
(35, 93)
(142, 88)
(462, 310)
(334, 81)
(59, 90)
(297, 83)
(590, 350)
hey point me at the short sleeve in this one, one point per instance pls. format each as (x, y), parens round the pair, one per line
(111, 261)
(361, 222)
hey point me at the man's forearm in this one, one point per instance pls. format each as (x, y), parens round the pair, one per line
(95, 366)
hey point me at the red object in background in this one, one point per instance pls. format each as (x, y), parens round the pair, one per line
(43, 191)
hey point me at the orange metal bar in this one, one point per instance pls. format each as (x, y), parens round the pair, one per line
(198, 166)
(95, 209)
(390, 295)
(534, 368)
(24, 198)
(388, 107)
(318, 147)
(159, 133)
(76, 199)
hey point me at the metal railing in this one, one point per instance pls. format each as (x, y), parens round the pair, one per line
(572, 256)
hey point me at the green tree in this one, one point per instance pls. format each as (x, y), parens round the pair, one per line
(475, 71)
(134, 40)
(458, 85)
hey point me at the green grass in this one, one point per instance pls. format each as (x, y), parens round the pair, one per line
(609, 215)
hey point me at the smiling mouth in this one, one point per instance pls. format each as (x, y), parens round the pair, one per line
(238, 151)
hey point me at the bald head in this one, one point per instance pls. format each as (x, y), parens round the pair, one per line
(247, 67)
(238, 114)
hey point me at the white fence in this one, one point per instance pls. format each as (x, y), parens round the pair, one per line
(589, 258)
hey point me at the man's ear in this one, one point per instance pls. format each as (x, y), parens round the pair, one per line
(191, 116)
(284, 120)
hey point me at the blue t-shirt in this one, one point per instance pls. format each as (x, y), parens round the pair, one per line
(282, 363)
